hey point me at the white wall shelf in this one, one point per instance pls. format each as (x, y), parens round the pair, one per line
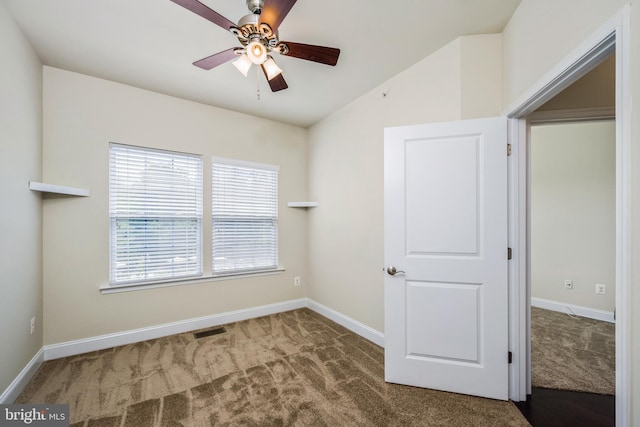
(58, 189)
(302, 204)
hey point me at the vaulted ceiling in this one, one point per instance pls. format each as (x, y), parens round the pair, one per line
(151, 44)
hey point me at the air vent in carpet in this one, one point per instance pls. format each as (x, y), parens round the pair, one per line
(209, 332)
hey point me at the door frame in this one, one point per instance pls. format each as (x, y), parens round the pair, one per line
(612, 36)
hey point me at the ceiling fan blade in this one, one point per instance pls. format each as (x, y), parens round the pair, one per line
(274, 12)
(217, 59)
(200, 9)
(277, 83)
(321, 54)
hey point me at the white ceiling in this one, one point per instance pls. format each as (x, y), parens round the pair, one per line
(151, 44)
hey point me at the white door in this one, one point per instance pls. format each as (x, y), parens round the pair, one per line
(445, 230)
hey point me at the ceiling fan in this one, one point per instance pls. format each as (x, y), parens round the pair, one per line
(258, 34)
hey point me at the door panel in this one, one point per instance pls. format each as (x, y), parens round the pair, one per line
(446, 233)
(429, 163)
(429, 306)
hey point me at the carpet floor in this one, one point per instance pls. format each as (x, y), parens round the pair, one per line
(572, 353)
(289, 369)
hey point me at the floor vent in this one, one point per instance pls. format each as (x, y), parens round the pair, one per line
(210, 332)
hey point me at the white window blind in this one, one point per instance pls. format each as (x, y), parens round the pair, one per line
(244, 200)
(155, 210)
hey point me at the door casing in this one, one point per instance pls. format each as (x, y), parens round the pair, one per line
(612, 36)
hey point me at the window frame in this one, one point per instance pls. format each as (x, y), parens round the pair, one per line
(274, 218)
(198, 217)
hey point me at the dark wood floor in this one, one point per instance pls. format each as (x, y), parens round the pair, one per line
(559, 408)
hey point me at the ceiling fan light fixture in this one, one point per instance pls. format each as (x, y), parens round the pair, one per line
(243, 64)
(271, 68)
(257, 52)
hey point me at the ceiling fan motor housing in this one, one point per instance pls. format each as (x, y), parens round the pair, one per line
(249, 29)
(255, 6)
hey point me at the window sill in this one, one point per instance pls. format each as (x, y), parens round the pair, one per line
(190, 281)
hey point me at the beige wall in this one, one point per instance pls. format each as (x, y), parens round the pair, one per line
(596, 89)
(20, 216)
(573, 223)
(541, 33)
(346, 167)
(82, 115)
(480, 76)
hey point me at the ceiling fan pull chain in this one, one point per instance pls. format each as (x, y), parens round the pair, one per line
(257, 83)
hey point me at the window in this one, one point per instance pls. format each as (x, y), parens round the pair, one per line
(244, 201)
(155, 212)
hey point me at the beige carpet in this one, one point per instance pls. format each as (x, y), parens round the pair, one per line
(296, 368)
(572, 353)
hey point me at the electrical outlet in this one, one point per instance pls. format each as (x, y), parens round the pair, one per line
(296, 281)
(601, 289)
(568, 284)
(33, 325)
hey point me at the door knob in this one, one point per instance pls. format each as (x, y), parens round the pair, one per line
(392, 271)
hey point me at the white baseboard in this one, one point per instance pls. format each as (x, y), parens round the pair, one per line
(18, 384)
(71, 348)
(361, 329)
(591, 313)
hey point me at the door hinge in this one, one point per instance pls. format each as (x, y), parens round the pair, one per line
(508, 149)
(510, 356)
(509, 253)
